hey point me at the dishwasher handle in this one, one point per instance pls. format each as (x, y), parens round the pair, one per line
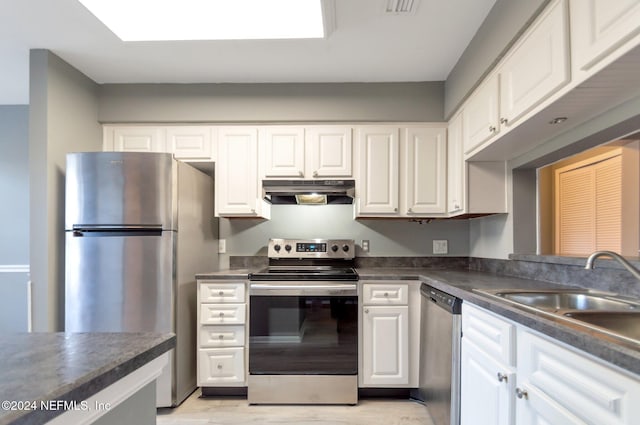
(441, 299)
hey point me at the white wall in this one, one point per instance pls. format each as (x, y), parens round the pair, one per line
(63, 118)
(14, 214)
(388, 238)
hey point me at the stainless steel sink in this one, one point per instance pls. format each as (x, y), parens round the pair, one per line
(622, 323)
(608, 313)
(568, 300)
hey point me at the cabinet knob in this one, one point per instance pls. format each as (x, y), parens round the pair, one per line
(492, 129)
(504, 120)
(522, 393)
(395, 210)
(219, 366)
(221, 293)
(456, 206)
(409, 210)
(222, 314)
(220, 337)
(366, 310)
(502, 377)
(386, 294)
(300, 173)
(315, 174)
(253, 211)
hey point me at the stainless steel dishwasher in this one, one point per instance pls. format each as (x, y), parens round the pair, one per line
(441, 328)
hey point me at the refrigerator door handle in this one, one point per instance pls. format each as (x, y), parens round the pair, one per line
(118, 230)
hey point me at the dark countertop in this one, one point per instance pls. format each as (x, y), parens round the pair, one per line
(70, 367)
(461, 283)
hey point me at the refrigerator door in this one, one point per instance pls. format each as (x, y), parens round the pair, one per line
(120, 188)
(119, 283)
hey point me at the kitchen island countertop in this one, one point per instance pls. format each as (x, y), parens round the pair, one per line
(67, 367)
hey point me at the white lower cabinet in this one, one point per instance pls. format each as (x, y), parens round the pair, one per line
(389, 334)
(546, 382)
(221, 333)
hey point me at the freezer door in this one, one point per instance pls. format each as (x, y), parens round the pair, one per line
(117, 283)
(109, 188)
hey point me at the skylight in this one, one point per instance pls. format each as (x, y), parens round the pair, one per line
(155, 20)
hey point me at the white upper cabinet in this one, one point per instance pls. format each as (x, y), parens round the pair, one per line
(481, 119)
(238, 192)
(191, 142)
(378, 170)
(306, 152)
(424, 166)
(283, 151)
(537, 65)
(456, 170)
(601, 27)
(134, 139)
(329, 151)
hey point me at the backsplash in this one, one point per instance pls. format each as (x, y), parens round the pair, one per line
(606, 275)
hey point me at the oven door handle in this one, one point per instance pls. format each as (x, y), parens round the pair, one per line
(308, 289)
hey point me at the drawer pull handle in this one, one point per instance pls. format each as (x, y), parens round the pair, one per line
(219, 366)
(222, 314)
(221, 337)
(386, 294)
(502, 377)
(221, 293)
(522, 393)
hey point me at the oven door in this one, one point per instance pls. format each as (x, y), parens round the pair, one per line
(303, 328)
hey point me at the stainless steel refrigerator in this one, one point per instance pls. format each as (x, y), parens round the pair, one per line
(139, 226)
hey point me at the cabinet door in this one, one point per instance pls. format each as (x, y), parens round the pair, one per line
(578, 385)
(190, 142)
(139, 139)
(425, 167)
(486, 388)
(329, 152)
(599, 27)
(536, 408)
(537, 66)
(283, 151)
(378, 150)
(219, 367)
(237, 172)
(456, 175)
(385, 345)
(480, 117)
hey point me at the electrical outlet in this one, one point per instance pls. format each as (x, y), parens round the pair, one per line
(365, 245)
(440, 246)
(222, 246)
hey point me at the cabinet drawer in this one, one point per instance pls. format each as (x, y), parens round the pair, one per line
(221, 366)
(493, 335)
(220, 314)
(222, 292)
(385, 293)
(222, 336)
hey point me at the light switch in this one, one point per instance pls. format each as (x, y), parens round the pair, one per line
(440, 246)
(222, 246)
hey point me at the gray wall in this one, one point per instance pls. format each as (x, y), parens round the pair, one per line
(505, 22)
(14, 214)
(271, 102)
(63, 118)
(388, 238)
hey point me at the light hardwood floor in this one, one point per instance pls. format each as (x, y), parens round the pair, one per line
(236, 411)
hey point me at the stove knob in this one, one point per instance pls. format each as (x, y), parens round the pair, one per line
(287, 247)
(345, 248)
(277, 248)
(334, 248)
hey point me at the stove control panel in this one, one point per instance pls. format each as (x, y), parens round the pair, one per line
(312, 248)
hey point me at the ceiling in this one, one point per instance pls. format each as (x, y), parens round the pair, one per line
(367, 45)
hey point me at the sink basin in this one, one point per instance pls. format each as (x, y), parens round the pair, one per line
(626, 324)
(565, 300)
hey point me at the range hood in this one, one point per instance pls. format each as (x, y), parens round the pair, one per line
(308, 192)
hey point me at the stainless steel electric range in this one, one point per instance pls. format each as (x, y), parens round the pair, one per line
(303, 329)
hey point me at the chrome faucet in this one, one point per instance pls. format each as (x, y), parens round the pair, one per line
(620, 259)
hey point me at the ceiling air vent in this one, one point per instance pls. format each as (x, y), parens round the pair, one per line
(403, 7)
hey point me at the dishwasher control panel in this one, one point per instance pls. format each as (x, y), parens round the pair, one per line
(442, 299)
